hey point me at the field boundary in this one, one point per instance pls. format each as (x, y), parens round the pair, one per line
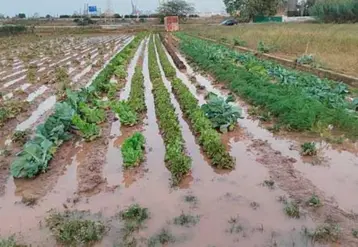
(322, 73)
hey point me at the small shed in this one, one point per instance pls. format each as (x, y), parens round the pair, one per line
(171, 23)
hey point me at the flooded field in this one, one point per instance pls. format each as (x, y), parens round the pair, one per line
(271, 195)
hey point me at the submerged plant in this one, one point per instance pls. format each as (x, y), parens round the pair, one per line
(308, 149)
(314, 201)
(186, 220)
(292, 209)
(164, 237)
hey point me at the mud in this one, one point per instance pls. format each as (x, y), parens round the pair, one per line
(87, 176)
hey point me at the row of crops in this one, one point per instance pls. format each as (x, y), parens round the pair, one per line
(80, 113)
(300, 101)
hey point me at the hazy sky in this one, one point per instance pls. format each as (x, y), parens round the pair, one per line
(54, 7)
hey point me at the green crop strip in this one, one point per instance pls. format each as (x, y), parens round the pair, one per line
(177, 161)
(290, 103)
(80, 111)
(136, 97)
(133, 150)
(208, 137)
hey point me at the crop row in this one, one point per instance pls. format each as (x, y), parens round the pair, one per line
(133, 147)
(290, 103)
(80, 112)
(207, 136)
(177, 161)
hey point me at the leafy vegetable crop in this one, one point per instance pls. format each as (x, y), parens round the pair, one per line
(299, 101)
(222, 115)
(208, 138)
(136, 97)
(133, 150)
(127, 115)
(177, 161)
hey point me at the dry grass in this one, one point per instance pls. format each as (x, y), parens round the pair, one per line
(335, 46)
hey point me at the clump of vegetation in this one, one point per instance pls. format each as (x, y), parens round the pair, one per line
(308, 149)
(164, 237)
(10, 109)
(336, 11)
(324, 233)
(92, 115)
(190, 198)
(89, 131)
(292, 209)
(9, 242)
(263, 48)
(222, 115)
(305, 59)
(127, 115)
(136, 98)
(20, 136)
(186, 220)
(121, 72)
(239, 42)
(72, 228)
(235, 226)
(31, 73)
(355, 233)
(134, 217)
(133, 150)
(314, 201)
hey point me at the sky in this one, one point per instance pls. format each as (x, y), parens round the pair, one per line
(53, 7)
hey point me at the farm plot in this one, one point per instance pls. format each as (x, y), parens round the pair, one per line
(145, 160)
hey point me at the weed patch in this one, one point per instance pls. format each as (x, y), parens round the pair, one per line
(292, 209)
(186, 220)
(235, 226)
(162, 238)
(71, 228)
(324, 233)
(308, 149)
(20, 136)
(314, 201)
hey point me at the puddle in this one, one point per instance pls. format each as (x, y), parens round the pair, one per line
(41, 110)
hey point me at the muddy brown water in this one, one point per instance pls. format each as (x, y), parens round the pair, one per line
(220, 196)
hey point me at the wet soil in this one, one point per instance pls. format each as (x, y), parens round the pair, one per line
(235, 208)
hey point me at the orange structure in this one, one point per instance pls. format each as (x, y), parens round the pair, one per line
(171, 23)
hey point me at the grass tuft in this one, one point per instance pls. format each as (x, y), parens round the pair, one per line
(186, 220)
(324, 233)
(164, 237)
(314, 201)
(308, 149)
(292, 209)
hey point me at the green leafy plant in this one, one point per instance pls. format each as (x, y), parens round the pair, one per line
(208, 137)
(73, 229)
(292, 209)
(9, 109)
(133, 150)
(239, 42)
(314, 201)
(96, 116)
(308, 149)
(222, 115)
(134, 216)
(127, 115)
(136, 98)
(89, 131)
(177, 161)
(305, 59)
(262, 47)
(9, 242)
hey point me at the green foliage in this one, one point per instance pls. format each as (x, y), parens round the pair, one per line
(9, 242)
(121, 72)
(134, 217)
(175, 8)
(163, 238)
(12, 29)
(133, 150)
(186, 220)
(90, 115)
(339, 11)
(305, 59)
(251, 8)
(89, 131)
(208, 138)
(169, 70)
(262, 47)
(314, 201)
(136, 97)
(292, 209)
(239, 42)
(222, 115)
(354, 233)
(127, 115)
(73, 229)
(308, 149)
(177, 161)
(38, 151)
(299, 101)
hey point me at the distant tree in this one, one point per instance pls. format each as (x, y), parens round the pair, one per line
(48, 16)
(250, 8)
(176, 7)
(117, 16)
(2, 16)
(21, 15)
